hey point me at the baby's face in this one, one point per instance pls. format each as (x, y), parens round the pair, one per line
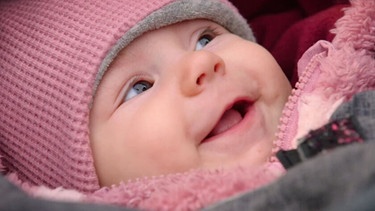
(187, 96)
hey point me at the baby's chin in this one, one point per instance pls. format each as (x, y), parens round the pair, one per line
(252, 133)
(249, 153)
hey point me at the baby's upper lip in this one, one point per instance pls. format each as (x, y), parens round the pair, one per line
(241, 105)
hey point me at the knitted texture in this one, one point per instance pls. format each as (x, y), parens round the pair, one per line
(52, 56)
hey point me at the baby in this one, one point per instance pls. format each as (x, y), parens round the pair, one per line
(101, 92)
(190, 95)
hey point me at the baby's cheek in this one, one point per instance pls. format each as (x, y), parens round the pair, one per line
(169, 160)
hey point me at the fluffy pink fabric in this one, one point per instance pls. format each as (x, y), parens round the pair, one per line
(186, 191)
(333, 72)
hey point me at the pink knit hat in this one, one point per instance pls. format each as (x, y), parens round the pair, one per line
(53, 54)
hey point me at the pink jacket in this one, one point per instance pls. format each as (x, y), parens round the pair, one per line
(330, 73)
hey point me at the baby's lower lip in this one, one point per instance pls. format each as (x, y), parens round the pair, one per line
(233, 141)
(229, 120)
(231, 117)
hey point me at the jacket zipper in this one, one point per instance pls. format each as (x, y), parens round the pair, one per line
(289, 118)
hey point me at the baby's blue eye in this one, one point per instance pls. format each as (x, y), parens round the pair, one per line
(138, 88)
(203, 41)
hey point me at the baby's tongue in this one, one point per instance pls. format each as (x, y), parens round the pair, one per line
(230, 118)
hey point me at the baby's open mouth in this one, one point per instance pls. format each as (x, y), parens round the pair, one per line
(230, 118)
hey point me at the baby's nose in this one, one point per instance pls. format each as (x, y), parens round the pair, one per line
(198, 70)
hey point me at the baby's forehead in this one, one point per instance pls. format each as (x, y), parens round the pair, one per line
(144, 42)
